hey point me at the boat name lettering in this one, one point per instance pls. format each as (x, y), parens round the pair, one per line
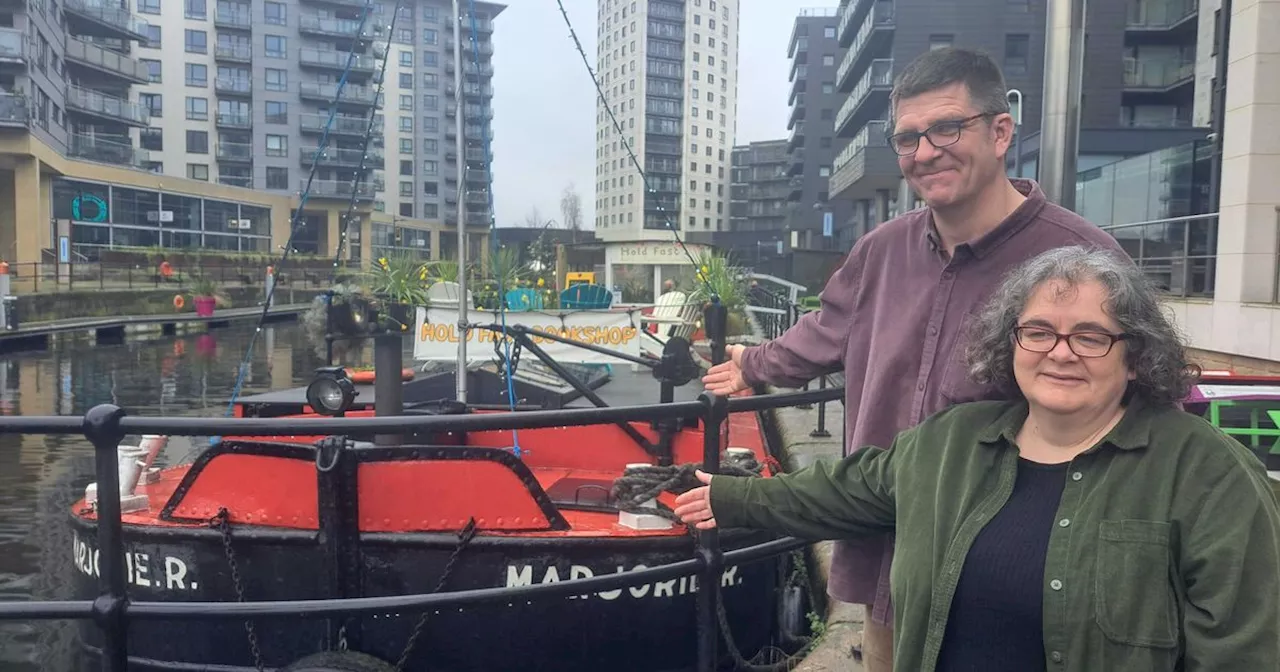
(523, 575)
(140, 569)
(593, 335)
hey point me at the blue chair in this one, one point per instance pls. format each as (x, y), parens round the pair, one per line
(520, 300)
(586, 297)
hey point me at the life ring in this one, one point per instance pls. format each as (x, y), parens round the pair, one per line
(166, 270)
(339, 661)
(366, 377)
(178, 302)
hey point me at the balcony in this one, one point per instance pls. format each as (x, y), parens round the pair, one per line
(230, 18)
(797, 116)
(13, 110)
(239, 86)
(1156, 75)
(486, 48)
(101, 18)
(315, 24)
(339, 189)
(1161, 16)
(347, 158)
(874, 38)
(330, 59)
(795, 188)
(108, 107)
(796, 163)
(235, 152)
(351, 94)
(233, 53)
(105, 62)
(867, 99)
(796, 139)
(236, 121)
(476, 154)
(342, 125)
(867, 165)
(478, 198)
(482, 26)
(478, 175)
(470, 68)
(470, 90)
(12, 46)
(851, 15)
(117, 151)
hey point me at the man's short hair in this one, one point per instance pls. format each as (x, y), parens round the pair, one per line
(943, 67)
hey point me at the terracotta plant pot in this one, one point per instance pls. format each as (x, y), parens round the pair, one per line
(205, 305)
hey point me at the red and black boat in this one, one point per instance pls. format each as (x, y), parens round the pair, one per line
(304, 517)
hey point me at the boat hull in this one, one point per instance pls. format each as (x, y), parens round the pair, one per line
(649, 627)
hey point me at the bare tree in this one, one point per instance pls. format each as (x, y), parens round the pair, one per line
(571, 209)
(533, 220)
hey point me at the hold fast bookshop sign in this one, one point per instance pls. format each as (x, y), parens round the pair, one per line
(436, 334)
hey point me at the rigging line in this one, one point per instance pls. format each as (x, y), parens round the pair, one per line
(644, 179)
(295, 225)
(364, 152)
(488, 167)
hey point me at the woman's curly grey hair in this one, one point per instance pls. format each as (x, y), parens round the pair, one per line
(1155, 354)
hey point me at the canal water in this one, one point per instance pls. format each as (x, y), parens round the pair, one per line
(187, 375)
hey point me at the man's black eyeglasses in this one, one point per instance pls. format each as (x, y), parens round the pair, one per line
(1083, 343)
(941, 134)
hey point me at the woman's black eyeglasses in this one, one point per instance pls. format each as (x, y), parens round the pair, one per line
(1083, 343)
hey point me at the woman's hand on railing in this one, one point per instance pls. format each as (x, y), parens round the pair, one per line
(694, 506)
(726, 378)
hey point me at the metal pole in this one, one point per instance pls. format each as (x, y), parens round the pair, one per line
(102, 427)
(708, 595)
(1218, 122)
(821, 432)
(1016, 110)
(1063, 81)
(462, 207)
(388, 392)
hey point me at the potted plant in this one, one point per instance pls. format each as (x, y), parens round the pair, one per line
(400, 284)
(206, 295)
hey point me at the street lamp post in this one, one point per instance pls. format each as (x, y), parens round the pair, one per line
(1015, 109)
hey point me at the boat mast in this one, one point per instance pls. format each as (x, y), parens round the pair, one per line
(1060, 116)
(462, 208)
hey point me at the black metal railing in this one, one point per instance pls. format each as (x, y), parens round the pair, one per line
(112, 611)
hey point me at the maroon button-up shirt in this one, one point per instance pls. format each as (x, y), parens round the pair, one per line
(893, 317)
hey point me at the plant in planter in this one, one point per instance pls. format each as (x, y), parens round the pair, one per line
(400, 284)
(718, 275)
(345, 320)
(206, 295)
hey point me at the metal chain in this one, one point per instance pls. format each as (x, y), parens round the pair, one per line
(222, 523)
(464, 538)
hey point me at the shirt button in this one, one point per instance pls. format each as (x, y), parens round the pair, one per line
(933, 330)
(1064, 522)
(1056, 656)
(1075, 475)
(1055, 584)
(920, 387)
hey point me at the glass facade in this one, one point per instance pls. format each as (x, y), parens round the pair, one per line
(664, 104)
(391, 240)
(108, 216)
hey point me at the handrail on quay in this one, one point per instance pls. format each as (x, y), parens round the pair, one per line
(112, 611)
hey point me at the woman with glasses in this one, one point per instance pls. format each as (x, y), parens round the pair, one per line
(1089, 525)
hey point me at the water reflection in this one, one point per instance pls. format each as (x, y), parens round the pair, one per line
(184, 375)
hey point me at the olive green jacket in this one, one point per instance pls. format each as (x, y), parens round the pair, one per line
(1165, 555)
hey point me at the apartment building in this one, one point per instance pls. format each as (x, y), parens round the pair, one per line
(759, 187)
(231, 98)
(669, 70)
(816, 54)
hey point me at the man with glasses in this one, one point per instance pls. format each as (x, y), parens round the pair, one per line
(894, 316)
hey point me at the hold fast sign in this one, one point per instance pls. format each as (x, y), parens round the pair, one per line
(436, 334)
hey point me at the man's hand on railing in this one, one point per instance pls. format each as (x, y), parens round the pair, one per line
(694, 506)
(726, 378)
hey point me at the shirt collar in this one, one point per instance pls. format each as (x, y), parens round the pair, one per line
(1015, 222)
(1132, 432)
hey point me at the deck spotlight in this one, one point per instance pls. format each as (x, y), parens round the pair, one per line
(332, 392)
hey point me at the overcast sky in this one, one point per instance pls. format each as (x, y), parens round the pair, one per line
(544, 101)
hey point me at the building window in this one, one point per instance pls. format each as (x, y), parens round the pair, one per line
(275, 45)
(430, 58)
(154, 69)
(406, 123)
(430, 36)
(406, 59)
(404, 35)
(431, 188)
(153, 102)
(824, 171)
(406, 168)
(277, 112)
(940, 41)
(197, 74)
(277, 145)
(149, 6)
(406, 80)
(151, 139)
(829, 32)
(430, 80)
(277, 177)
(153, 35)
(406, 188)
(406, 145)
(430, 146)
(828, 60)
(430, 124)
(197, 42)
(406, 209)
(196, 10)
(1017, 54)
(430, 167)
(198, 142)
(406, 102)
(197, 108)
(276, 80)
(274, 12)
(430, 210)
(430, 101)
(198, 171)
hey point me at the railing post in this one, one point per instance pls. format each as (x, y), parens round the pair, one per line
(715, 318)
(821, 432)
(102, 427)
(708, 541)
